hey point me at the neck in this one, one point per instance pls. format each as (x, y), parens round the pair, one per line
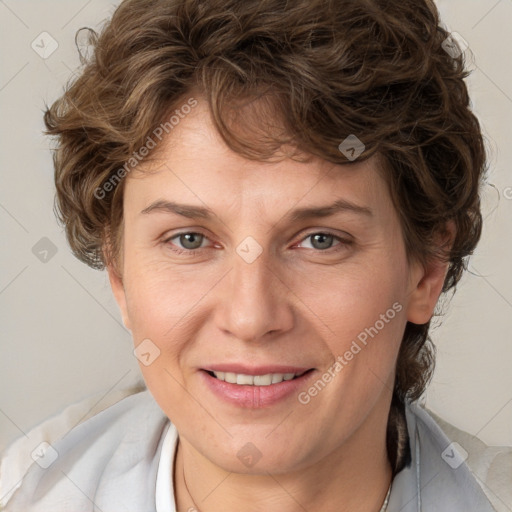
(356, 476)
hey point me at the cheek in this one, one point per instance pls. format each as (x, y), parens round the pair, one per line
(160, 303)
(351, 299)
(363, 317)
(161, 298)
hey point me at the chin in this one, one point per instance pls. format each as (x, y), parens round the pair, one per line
(257, 458)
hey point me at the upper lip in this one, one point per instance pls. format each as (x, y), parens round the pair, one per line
(256, 370)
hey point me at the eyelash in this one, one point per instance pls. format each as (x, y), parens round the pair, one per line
(192, 252)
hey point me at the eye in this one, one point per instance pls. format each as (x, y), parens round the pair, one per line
(323, 241)
(187, 242)
(190, 242)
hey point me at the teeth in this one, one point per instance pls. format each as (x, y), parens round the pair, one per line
(244, 379)
(262, 380)
(229, 377)
(254, 380)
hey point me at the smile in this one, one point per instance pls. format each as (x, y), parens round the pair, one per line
(258, 389)
(255, 380)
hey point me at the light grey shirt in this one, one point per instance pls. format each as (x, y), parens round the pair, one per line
(110, 463)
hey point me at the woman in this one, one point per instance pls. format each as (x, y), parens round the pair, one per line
(279, 192)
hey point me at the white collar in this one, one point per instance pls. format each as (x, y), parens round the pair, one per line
(164, 478)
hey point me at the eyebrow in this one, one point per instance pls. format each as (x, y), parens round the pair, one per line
(199, 212)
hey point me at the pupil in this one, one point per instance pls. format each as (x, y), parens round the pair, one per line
(322, 237)
(190, 238)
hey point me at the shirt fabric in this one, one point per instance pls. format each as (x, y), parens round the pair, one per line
(164, 479)
(122, 459)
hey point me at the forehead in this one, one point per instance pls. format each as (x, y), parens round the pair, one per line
(194, 164)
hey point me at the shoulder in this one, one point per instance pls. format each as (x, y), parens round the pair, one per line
(490, 466)
(75, 454)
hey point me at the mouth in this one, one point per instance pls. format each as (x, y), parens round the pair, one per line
(266, 379)
(255, 388)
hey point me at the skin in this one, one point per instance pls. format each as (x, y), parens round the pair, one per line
(299, 303)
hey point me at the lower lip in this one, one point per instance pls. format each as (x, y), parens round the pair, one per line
(255, 397)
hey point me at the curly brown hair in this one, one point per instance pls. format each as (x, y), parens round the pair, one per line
(323, 69)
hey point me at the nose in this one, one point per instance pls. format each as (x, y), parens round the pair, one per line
(254, 302)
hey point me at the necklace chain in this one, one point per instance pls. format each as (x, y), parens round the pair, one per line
(196, 508)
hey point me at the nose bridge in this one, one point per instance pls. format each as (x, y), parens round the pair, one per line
(254, 300)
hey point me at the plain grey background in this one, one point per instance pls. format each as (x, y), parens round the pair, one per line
(62, 336)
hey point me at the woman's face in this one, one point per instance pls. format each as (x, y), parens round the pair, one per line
(226, 269)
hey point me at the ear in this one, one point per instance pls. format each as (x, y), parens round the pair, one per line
(116, 283)
(427, 282)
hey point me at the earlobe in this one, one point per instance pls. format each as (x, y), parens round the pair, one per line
(116, 283)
